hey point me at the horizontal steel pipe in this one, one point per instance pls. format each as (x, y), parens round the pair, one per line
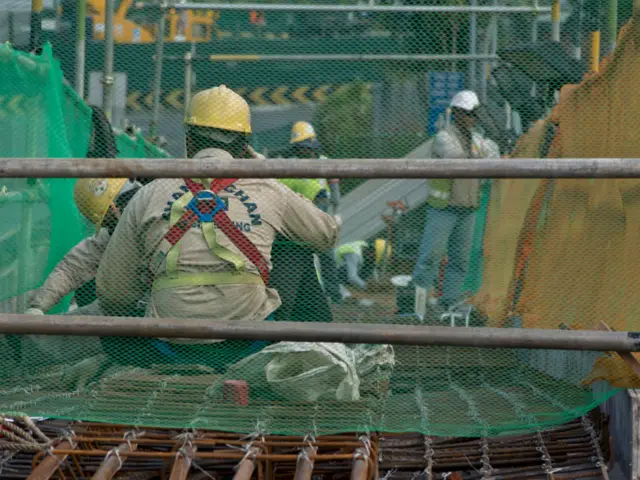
(276, 7)
(593, 340)
(334, 57)
(333, 168)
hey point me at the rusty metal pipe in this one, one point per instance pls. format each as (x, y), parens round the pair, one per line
(113, 461)
(247, 465)
(50, 463)
(182, 463)
(360, 470)
(332, 168)
(304, 464)
(590, 340)
(231, 455)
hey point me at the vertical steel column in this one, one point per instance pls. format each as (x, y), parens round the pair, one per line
(577, 48)
(188, 77)
(473, 39)
(35, 32)
(595, 51)
(612, 21)
(555, 19)
(157, 79)
(12, 27)
(81, 46)
(107, 77)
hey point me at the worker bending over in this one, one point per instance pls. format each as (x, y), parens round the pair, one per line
(101, 201)
(203, 246)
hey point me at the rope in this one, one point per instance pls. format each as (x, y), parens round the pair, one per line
(21, 435)
(30, 423)
(22, 447)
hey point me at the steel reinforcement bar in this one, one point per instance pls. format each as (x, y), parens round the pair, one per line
(309, 168)
(590, 340)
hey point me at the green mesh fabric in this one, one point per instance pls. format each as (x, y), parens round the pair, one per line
(524, 254)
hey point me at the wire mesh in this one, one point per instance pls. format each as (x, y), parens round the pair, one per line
(539, 253)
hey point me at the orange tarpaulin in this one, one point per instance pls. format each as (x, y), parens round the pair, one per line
(584, 261)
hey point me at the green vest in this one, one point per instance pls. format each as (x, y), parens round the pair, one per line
(307, 187)
(439, 192)
(347, 248)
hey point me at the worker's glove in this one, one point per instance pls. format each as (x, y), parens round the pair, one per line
(338, 220)
(33, 311)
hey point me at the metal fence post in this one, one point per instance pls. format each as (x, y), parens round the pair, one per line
(107, 78)
(24, 254)
(80, 46)
(473, 37)
(612, 20)
(157, 79)
(595, 51)
(12, 27)
(555, 19)
(188, 79)
(35, 32)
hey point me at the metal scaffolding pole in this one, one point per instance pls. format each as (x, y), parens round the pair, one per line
(589, 340)
(276, 7)
(157, 79)
(81, 46)
(473, 46)
(612, 28)
(331, 168)
(188, 77)
(35, 20)
(107, 78)
(555, 21)
(332, 57)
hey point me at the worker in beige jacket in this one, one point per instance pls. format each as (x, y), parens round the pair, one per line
(205, 273)
(100, 200)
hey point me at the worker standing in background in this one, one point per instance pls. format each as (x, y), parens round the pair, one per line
(203, 246)
(101, 201)
(294, 273)
(452, 205)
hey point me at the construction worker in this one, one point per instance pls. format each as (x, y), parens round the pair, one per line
(452, 204)
(357, 262)
(294, 269)
(101, 201)
(203, 246)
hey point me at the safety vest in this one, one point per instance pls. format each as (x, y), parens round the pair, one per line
(204, 205)
(349, 248)
(307, 187)
(440, 188)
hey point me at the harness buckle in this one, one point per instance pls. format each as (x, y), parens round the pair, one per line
(206, 196)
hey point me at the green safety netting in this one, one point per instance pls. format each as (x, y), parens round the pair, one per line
(501, 253)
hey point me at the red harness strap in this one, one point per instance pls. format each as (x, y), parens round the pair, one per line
(204, 207)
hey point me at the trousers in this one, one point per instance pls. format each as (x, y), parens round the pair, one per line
(446, 231)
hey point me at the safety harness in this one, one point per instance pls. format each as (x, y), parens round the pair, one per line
(204, 205)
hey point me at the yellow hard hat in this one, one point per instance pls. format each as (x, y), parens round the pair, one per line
(221, 108)
(94, 196)
(381, 246)
(302, 131)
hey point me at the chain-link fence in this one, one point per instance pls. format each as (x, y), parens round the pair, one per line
(477, 80)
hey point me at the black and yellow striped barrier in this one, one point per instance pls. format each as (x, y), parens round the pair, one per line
(258, 96)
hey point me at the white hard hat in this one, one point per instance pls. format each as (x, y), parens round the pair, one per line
(466, 100)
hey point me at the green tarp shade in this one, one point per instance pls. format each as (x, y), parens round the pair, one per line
(41, 116)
